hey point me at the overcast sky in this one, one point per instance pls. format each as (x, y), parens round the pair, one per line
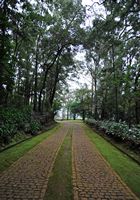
(82, 77)
(95, 9)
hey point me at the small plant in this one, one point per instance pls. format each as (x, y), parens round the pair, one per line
(7, 132)
(35, 126)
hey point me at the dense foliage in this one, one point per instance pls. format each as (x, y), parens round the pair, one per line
(119, 130)
(113, 61)
(38, 40)
(37, 43)
(79, 103)
(13, 121)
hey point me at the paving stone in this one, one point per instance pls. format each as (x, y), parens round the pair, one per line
(93, 178)
(27, 178)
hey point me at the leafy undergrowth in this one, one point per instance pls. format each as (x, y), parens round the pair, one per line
(12, 154)
(18, 138)
(14, 121)
(60, 183)
(132, 152)
(128, 170)
(120, 131)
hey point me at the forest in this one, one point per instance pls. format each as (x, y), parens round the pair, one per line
(39, 41)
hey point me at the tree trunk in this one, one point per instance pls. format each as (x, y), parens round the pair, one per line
(67, 113)
(137, 99)
(92, 94)
(83, 115)
(3, 52)
(95, 98)
(36, 75)
(54, 85)
(27, 89)
(45, 77)
(115, 87)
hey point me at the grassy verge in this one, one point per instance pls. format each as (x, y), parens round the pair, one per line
(60, 183)
(128, 170)
(12, 154)
(18, 138)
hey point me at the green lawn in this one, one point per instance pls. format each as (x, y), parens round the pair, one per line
(60, 182)
(12, 154)
(128, 170)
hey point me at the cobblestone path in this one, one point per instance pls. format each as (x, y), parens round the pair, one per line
(28, 177)
(93, 178)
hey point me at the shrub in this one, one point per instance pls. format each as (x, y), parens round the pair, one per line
(13, 120)
(120, 130)
(15, 116)
(7, 132)
(35, 126)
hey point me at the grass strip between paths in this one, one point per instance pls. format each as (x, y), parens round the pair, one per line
(128, 170)
(60, 182)
(9, 156)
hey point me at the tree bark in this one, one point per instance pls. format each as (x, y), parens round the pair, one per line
(3, 52)
(54, 85)
(83, 115)
(137, 100)
(45, 76)
(92, 94)
(95, 98)
(115, 87)
(36, 75)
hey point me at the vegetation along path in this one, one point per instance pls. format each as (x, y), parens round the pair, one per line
(44, 172)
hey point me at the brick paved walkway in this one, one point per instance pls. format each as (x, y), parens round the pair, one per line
(28, 177)
(93, 179)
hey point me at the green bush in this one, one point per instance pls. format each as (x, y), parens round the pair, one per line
(13, 120)
(120, 130)
(35, 126)
(7, 132)
(15, 116)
